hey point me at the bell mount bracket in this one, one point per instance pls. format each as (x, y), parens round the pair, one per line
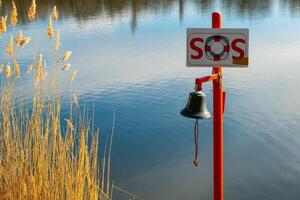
(201, 80)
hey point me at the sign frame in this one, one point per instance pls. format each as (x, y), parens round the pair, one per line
(230, 34)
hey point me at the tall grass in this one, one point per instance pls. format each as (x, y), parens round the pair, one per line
(41, 160)
(43, 156)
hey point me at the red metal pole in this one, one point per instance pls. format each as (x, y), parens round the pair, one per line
(218, 122)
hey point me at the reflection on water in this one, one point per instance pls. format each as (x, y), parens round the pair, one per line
(143, 76)
(249, 8)
(292, 5)
(83, 9)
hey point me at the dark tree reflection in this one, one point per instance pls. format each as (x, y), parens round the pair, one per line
(293, 6)
(82, 9)
(181, 9)
(244, 8)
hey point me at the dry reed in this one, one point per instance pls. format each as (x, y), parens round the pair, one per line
(29, 69)
(3, 26)
(17, 69)
(14, 14)
(57, 41)
(32, 11)
(19, 38)
(66, 66)
(10, 47)
(41, 155)
(50, 29)
(54, 13)
(74, 99)
(73, 76)
(67, 55)
(39, 159)
(24, 41)
(8, 72)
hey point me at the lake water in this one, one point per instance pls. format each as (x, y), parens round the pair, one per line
(130, 57)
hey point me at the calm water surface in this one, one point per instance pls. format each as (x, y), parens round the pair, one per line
(130, 57)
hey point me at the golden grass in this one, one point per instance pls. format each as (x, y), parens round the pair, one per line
(41, 155)
(54, 13)
(67, 55)
(50, 29)
(3, 26)
(32, 11)
(57, 41)
(10, 47)
(39, 159)
(14, 14)
(8, 72)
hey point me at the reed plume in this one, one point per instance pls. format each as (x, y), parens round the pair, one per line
(57, 40)
(18, 38)
(32, 11)
(74, 99)
(44, 73)
(3, 27)
(69, 124)
(29, 69)
(67, 55)
(38, 73)
(8, 72)
(54, 13)
(14, 14)
(66, 66)
(10, 47)
(24, 41)
(73, 76)
(50, 29)
(17, 69)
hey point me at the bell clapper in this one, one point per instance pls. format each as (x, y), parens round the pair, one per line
(196, 138)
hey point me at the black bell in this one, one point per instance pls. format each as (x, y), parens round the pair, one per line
(196, 107)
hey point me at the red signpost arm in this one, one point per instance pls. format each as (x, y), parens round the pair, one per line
(204, 79)
(218, 108)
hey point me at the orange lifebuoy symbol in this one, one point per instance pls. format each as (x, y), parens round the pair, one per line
(210, 54)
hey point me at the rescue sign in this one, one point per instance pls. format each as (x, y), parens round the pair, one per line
(217, 47)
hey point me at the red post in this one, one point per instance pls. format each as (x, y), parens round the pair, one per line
(218, 122)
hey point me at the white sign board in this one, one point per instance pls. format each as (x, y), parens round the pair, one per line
(217, 47)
